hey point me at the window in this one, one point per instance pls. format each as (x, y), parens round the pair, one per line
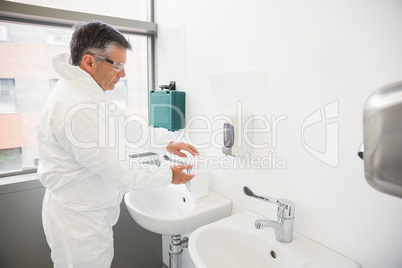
(27, 68)
(10, 159)
(28, 44)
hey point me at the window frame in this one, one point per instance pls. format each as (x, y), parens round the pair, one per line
(31, 14)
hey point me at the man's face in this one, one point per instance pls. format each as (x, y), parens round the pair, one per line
(103, 73)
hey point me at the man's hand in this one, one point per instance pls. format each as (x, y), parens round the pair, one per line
(180, 176)
(176, 147)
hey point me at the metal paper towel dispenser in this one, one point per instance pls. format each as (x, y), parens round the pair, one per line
(382, 133)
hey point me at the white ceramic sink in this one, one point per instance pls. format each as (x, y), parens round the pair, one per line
(234, 242)
(172, 210)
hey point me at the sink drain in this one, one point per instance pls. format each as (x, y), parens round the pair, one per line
(184, 199)
(273, 254)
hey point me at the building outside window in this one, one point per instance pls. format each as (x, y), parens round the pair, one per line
(7, 96)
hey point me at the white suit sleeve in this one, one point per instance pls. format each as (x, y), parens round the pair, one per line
(88, 140)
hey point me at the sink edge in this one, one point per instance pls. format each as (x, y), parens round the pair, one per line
(220, 205)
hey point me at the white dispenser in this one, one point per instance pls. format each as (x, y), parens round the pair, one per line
(198, 186)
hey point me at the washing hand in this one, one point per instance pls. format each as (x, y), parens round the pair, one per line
(177, 147)
(179, 176)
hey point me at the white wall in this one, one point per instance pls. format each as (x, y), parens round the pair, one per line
(307, 54)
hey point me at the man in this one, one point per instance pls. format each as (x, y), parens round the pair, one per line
(80, 167)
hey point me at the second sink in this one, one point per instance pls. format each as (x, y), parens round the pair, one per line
(235, 242)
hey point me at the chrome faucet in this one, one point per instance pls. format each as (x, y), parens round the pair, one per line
(283, 226)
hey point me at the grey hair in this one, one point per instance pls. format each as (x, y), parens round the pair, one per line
(100, 54)
(97, 39)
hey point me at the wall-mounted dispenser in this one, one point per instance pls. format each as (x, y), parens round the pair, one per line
(228, 139)
(382, 132)
(167, 108)
(238, 128)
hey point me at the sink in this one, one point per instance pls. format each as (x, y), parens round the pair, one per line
(172, 210)
(235, 242)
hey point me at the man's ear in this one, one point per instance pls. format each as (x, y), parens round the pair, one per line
(88, 63)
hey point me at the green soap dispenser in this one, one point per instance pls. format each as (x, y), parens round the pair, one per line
(167, 108)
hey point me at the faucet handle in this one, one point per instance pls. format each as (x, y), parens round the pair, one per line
(248, 192)
(286, 209)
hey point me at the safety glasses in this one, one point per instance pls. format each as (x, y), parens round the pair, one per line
(116, 66)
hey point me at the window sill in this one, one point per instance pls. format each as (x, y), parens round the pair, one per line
(18, 178)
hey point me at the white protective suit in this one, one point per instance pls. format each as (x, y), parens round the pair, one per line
(79, 167)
